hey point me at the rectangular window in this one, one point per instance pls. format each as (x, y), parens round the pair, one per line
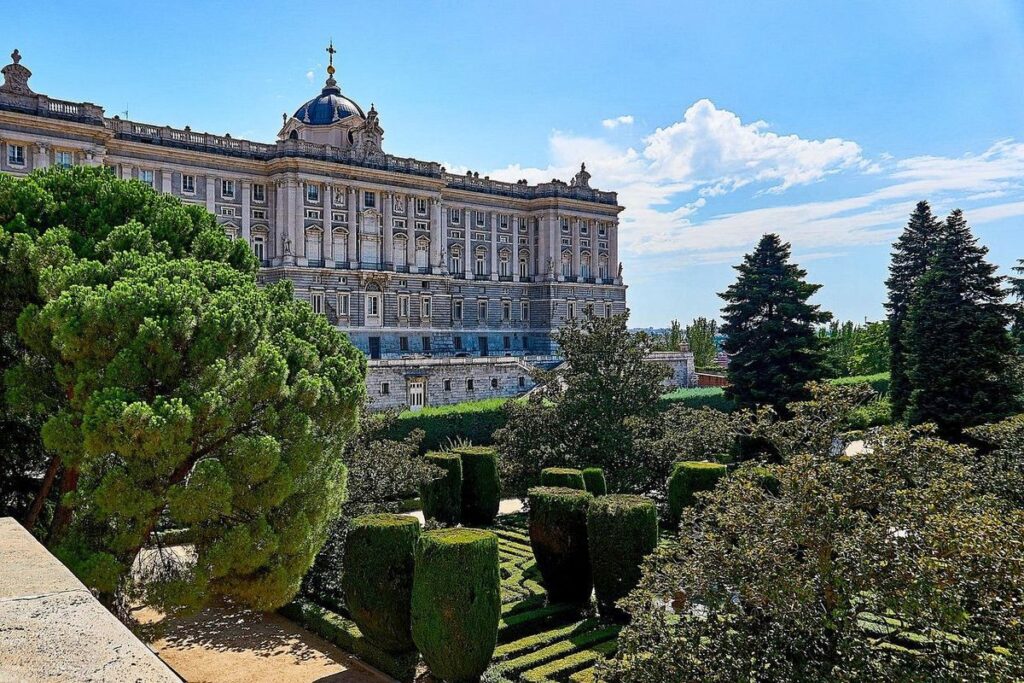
(457, 311)
(481, 311)
(227, 189)
(455, 234)
(457, 343)
(422, 226)
(403, 343)
(565, 225)
(503, 221)
(338, 216)
(607, 310)
(312, 193)
(494, 383)
(64, 159)
(507, 343)
(260, 214)
(385, 388)
(505, 239)
(426, 345)
(421, 205)
(570, 310)
(602, 231)
(259, 192)
(522, 381)
(316, 300)
(403, 305)
(369, 199)
(506, 311)
(479, 217)
(146, 177)
(447, 385)
(227, 211)
(469, 384)
(425, 308)
(16, 155)
(453, 216)
(188, 184)
(524, 311)
(343, 303)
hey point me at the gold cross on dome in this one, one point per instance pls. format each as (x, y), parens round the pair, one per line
(331, 52)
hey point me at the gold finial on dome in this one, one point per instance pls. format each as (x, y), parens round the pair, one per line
(331, 52)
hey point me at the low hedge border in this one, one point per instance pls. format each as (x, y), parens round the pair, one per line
(559, 649)
(527, 644)
(346, 635)
(557, 670)
(565, 477)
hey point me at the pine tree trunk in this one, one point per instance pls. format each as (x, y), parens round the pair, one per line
(44, 492)
(62, 516)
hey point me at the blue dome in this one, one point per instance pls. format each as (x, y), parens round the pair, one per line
(330, 107)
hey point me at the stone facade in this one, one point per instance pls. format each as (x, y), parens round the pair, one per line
(680, 364)
(409, 260)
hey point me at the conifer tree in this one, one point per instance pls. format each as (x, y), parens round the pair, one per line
(1017, 285)
(910, 257)
(957, 346)
(769, 328)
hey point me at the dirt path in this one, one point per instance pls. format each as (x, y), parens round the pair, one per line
(222, 645)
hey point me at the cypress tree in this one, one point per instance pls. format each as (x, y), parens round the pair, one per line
(958, 348)
(910, 256)
(770, 328)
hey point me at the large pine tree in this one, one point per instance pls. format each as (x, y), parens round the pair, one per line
(958, 350)
(769, 328)
(910, 257)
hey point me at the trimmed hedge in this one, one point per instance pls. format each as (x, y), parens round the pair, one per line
(704, 397)
(481, 490)
(474, 421)
(442, 498)
(456, 602)
(621, 531)
(377, 581)
(686, 479)
(558, 537)
(593, 479)
(565, 477)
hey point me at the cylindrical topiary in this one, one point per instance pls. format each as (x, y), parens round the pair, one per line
(593, 479)
(621, 530)
(456, 602)
(481, 490)
(687, 478)
(558, 536)
(565, 477)
(442, 498)
(377, 580)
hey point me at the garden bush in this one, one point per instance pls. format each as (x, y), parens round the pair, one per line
(593, 479)
(456, 602)
(377, 581)
(442, 498)
(621, 531)
(686, 479)
(558, 536)
(481, 491)
(566, 477)
(474, 421)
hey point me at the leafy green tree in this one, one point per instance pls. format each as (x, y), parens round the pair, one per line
(700, 337)
(605, 386)
(675, 336)
(958, 351)
(769, 328)
(911, 255)
(897, 563)
(177, 393)
(870, 349)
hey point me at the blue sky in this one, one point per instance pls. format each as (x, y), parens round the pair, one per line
(715, 122)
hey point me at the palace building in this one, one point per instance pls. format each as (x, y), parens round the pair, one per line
(439, 278)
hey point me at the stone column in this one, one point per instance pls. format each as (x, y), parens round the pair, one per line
(410, 237)
(613, 252)
(246, 188)
(328, 202)
(295, 223)
(494, 245)
(514, 224)
(577, 264)
(438, 237)
(389, 229)
(468, 263)
(165, 180)
(353, 229)
(280, 225)
(211, 194)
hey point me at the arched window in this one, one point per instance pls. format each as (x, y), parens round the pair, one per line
(585, 264)
(566, 264)
(400, 251)
(524, 265)
(504, 263)
(314, 246)
(422, 253)
(602, 267)
(339, 245)
(456, 260)
(481, 261)
(259, 247)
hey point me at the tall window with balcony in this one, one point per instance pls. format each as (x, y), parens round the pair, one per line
(403, 306)
(259, 248)
(64, 159)
(16, 155)
(399, 249)
(314, 252)
(339, 246)
(259, 192)
(481, 261)
(316, 300)
(312, 193)
(425, 309)
(505, 264)
(421, 205)
(369, 200)
(422, 253)
(585, 266)
(566, 264)
(457, 313)
(188, 183)
(481, 311)
(227, 189)
(455, 261)
(524, 265)
(602, 267)
(146, 176)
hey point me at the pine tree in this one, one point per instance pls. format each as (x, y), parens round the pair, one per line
(958, 350)
(1017, 285)
(910, 257)
(770, 328)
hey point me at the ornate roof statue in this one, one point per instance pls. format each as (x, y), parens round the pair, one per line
(16, 77)
(581, 179)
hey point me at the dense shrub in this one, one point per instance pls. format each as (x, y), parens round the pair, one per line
(442, 498)
(593, 479)
(621, 531)
(558, 536)
(481, 491)
(378, 577)
(872, 414)
(707, 397)
(566, 477)
(879, 382)
(474, 421)
(456, 602)
(687, 478)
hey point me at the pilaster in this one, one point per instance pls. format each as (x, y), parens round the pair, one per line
(494, 245)
(389, 230)
(353, 228)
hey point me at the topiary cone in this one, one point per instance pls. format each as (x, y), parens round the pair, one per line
(565, 477)
(378, 577)
(621, 531)
(442, 498)
(558, 536)
(686, 479)
(456, 602)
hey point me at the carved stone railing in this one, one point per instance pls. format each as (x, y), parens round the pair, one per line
(524, 191)
(41, 105)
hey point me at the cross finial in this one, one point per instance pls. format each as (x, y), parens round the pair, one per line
(16, 56)
(330, 56)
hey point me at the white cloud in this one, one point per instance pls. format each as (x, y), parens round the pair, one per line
(626, 120)
(309, 76)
